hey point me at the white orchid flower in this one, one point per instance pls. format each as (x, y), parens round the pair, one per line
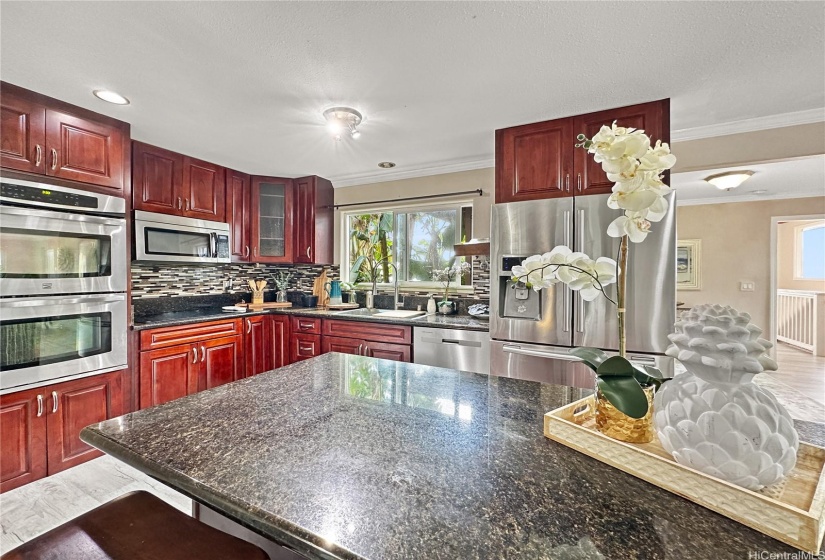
(657, 210)
(632, 224)
(593, 273)
(532, 271)
(631, 196)
(658, 158)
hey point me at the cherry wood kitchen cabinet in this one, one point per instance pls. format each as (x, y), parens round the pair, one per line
(221, 362)
(73, 406)
(42, 135)
(22, 438)
(167, 374)
(257, 353)
(313, 224)
(279, 336)
(342, 345)
(171, 183)
(272, 218)
(653, 118)
(362, 347)
(239, 214)
(40, 428)
(157, 179)
(378, 340)
(303, 346)
(540, 160)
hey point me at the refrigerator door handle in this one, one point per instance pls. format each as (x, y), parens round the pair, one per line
(567, 291)
(515, 349)
(580, 247)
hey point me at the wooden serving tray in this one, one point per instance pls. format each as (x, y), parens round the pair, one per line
(343, 306)
(268, 305)
(792, 511)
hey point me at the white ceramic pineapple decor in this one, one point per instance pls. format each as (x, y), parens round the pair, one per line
(713, 418)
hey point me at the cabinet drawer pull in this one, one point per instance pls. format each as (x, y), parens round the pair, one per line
(39, 406)
(38, 155)
(248, 326)
(180, 203)
(54, 158)
(305, 348)
(203, 353)
(194, 355)
(54, 402)
(305, 326)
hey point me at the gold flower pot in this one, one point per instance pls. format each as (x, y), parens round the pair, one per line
(616, 424)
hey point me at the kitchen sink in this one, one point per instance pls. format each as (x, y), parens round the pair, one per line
(386, 313)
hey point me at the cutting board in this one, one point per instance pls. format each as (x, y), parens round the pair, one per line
(318, 289)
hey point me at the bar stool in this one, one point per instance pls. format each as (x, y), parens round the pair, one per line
(135, 526)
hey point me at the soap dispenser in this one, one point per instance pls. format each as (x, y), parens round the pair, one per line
(431, 305)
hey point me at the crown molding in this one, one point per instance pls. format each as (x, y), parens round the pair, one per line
(748, 125)
(343, 181)
(745, 198)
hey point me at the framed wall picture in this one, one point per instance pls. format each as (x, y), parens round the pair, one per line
(688, 264)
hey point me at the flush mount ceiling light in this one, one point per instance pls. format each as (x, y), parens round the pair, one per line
(110, 96)
(343, 120)
(386, 165)
(728, 180)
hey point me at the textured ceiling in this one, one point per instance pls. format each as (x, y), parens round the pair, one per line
(784, 179)
(243, 84)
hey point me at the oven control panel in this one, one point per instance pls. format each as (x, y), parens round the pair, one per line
(25, 193)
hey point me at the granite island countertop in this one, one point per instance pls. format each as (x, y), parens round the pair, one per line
(214, 313)
(351, 457)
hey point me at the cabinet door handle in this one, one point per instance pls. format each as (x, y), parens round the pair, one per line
(39, 406)
(187, 204)
(248, 326)
(567, 182)
(579, 180)
(180, 203)
(54, 402)
(38, 155)
(359, 349)
(246, 252)
(203, 353)
(366, 350)
(254, 251)
(309, 252)
(194, 355)
(54, 158)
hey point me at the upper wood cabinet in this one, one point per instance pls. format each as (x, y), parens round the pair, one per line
(540, 160)
(271, 219)
(46, 136)
(313, 229)
(533, 161)
(238, 214)
(171, 183)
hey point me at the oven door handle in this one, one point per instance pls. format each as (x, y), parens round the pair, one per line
(41, 302)
(512, 349)
(56, 215)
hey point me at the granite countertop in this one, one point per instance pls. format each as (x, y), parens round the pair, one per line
(188, 316)
(351, 457)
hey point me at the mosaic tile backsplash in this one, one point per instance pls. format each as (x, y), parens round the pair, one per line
(154, 281)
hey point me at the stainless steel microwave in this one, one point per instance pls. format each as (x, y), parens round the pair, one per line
(175, 239)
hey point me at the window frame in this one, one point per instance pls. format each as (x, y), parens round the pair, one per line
(799, 251)
(405, 285)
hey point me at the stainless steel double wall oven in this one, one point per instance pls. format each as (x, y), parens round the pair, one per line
(63, 307)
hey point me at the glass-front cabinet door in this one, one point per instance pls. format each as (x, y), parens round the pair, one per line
(272, 226)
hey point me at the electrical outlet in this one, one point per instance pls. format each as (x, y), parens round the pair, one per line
(746, 286)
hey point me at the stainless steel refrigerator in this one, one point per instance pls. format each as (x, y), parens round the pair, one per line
(533, 332)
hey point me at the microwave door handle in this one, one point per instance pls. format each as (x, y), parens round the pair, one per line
(213, 244)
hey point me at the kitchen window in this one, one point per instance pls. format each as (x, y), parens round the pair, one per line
(417, 240)
(810, 246)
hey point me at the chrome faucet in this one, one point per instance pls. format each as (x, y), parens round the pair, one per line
(396, 304)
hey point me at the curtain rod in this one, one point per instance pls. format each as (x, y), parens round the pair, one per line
(479, 192)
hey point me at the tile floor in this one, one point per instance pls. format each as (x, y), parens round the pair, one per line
(802, 371)
(33, 509)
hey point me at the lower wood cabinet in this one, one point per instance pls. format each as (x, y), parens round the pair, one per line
(256, 353)
(377, 340)
(40, 428)
(171, 373)
(303, 346)
(279, 334)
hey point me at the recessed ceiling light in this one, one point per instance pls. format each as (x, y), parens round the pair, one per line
(728, 180)
(110, 96)
(386, 165)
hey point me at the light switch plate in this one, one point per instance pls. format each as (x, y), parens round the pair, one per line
(746, 286)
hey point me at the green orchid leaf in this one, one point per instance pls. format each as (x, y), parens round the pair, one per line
(593, 357)
(356, 268)
(616, 366)
(625, 394)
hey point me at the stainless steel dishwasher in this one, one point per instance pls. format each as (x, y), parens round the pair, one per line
(452, 348)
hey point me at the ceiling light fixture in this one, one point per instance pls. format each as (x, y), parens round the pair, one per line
(342, 120)
(110, 96)
(386, 165)
(728, 180)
